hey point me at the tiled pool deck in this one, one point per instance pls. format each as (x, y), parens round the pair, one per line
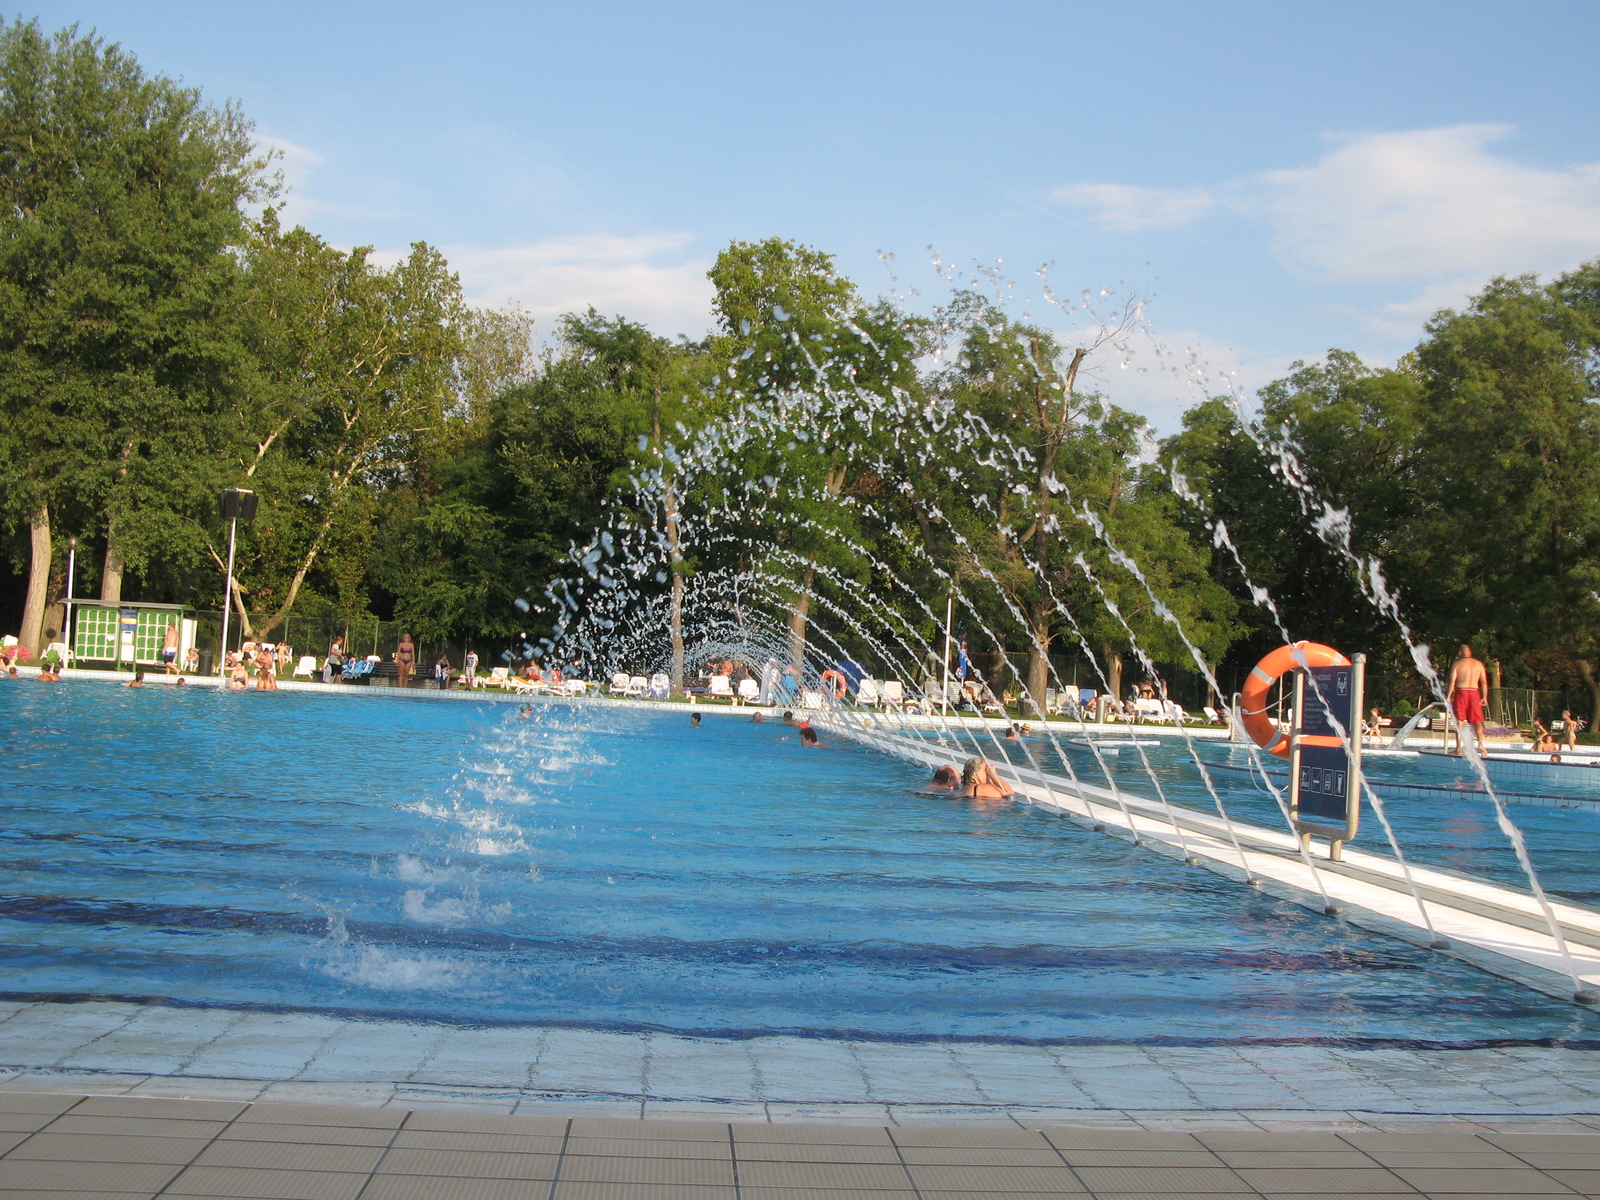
(126, 1147)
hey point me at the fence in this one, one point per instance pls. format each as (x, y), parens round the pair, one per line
(312, 633)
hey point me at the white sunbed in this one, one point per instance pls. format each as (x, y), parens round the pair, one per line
(810, 699)
(307, 666)
(499, 677)
(721, 687)
(867, 693)
(749, 691)
(892, 693)
(619, 683)
(637, 686)
(660, 686)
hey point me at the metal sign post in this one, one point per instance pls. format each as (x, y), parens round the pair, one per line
(1325, 754)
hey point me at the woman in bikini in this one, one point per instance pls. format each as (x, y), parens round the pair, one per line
(980, 781)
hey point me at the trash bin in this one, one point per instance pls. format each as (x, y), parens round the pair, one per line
(207, 661)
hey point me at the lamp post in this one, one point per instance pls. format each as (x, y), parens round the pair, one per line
(66, 603)
(235, 505)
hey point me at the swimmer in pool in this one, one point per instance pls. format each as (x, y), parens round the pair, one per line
(808, 739)
(694, 719)
(979, 781)
(788, 718)
(757, 719)
(945, 779)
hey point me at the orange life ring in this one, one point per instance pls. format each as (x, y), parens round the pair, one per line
(1257, 690)
(838, 681)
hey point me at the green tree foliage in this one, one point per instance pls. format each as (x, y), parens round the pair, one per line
(121, 193)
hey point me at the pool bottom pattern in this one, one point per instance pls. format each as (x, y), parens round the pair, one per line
(312, 1056)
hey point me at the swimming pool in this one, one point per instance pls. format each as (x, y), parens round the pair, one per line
(1455, 831)
(612, 868)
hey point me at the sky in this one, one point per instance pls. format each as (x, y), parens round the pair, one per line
(1269, 179)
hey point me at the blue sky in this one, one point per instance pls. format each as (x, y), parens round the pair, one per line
(1276, 178)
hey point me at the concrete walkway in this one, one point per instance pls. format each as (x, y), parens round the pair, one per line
(136, 1148)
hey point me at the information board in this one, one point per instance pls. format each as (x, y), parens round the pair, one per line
(1325, 753)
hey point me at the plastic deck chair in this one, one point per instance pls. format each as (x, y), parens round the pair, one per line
(619, 683)
(749, 691)
(867, 692)
(721, 687)
(892, 693)
(660, 686)
(307, 666)
(638, 685)
(810, 699)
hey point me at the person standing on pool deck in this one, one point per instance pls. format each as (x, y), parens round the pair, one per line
(169, 648)
(266, 669)
(1468, 683)
(405, 655)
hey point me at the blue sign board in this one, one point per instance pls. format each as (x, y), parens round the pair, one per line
(1325, 774)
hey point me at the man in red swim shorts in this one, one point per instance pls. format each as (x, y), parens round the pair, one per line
(1469, 682)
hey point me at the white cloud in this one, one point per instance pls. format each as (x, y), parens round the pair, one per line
(1427, 206)
(1126, 209)
(646, 279)
(296, 164)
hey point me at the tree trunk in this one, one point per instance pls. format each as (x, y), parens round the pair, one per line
(1586, 672)
(798, 618)
(1113, 670)
(38, 583)
(111, 577)
(1038, 656)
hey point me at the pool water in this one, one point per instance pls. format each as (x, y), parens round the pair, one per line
(1457, 832)
(614, 868)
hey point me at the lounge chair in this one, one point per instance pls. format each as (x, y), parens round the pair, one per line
(892, 693)
(721, 688)
(619, 683)
(867, 693)
(499, 677)
(638, 685)
(660, 686)
(810, 699)
(307, 666)
(574, 687)
(749, 691)
(1213, 717)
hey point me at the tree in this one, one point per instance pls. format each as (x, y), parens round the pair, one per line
(352, 373)
(1506, 540)
(121, 196)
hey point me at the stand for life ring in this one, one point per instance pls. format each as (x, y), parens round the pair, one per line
(1325, 754)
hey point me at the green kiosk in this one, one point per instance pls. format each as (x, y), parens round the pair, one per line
(129, 635)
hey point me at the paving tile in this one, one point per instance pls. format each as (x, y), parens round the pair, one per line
(1298, 1158)
(9, 1141)
(315, 1135)
(1008, 1180)
(822, 1175)
(156, 1106)
(1353, 1180)
(446, 1139)
(290, 1156)
(1155, 1196)
(810, 1069)
(580, 1190)
(1248, 1139)
(434, 1187)
(1069, 1137)
(36, 1102)
(642, 1147)
(701, 1068)
(957, 1135)
(1578, 1181)
(24, 1122)
(1160, 1179)
(981, 1156)
(694, 1131)
(1546, 1161)
(1494, 1181)
(1555, 1143)
(273, 1185)
(822, 1193)
(41, 1194)
(819, 1152)
(107, 1148)
(586, 1168)
(137, 1126)
(842, 1135)
(829, 1114)
(1141, 1158)
(509, 1123)
(82, 1176)
(267, 1112)
(1488, 1156)
(1430, 1140)
(467, 1164)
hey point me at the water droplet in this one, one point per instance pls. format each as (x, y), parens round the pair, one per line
(521, 604)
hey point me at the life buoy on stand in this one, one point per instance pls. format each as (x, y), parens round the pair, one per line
(836, 682)
(1255, 696)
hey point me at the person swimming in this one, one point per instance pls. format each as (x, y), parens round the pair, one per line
(758, 719)
(979, 781)
(694, 719)
(808, 738)
(945, 779)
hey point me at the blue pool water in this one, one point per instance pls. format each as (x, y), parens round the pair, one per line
(615, 868)
(1456, 831)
